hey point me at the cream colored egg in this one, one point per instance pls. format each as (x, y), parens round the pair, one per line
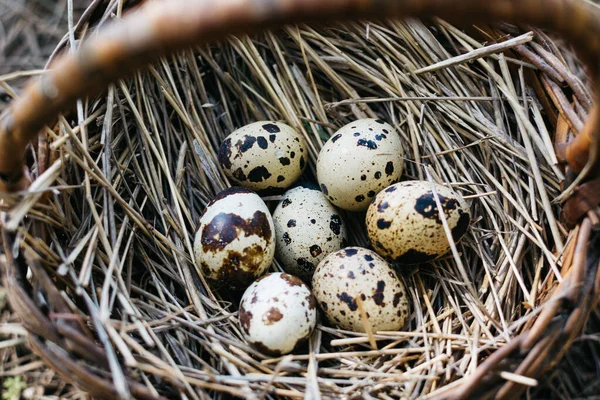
(354, 272)
(277, 312)
(358, 161)
(265, 156)
(308, 227)
(405, 225)
(235, 241)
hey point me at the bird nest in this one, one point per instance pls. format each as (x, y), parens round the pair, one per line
(104, 235)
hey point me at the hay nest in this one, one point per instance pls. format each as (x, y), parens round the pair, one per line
(126, 177)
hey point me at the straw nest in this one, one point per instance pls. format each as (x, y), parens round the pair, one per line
(126, 177)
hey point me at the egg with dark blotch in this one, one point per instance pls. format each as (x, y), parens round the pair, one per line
(264, 156)
(235, 242)
(277, 313)
(308, 227)
(358, 161)
(405, 225)
(351, 273)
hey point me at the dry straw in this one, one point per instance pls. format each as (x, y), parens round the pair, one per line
(107, 226)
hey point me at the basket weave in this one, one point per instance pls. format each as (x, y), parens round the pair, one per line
(81, 348)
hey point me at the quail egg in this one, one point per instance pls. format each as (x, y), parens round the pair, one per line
(307, 228)
(405, 225)
(265, 156)
(358, 161)
(277, 312)
(354, 272)
(235, 241)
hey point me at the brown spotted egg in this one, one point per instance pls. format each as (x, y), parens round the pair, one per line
(307, 228)
(277, 312)
(265, 156)
(358, 161)
(345, 275)
(405, 225)
(235, 241)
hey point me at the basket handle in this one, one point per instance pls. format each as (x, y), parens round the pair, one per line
(161, 28)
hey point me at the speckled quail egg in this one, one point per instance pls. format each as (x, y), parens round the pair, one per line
(358, 161)
(307, 228)
(354, 272)
(405, 225)
(235, 241)
(277, 312)
(265, 156)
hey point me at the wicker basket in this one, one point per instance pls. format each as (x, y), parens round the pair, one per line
(67, 324)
